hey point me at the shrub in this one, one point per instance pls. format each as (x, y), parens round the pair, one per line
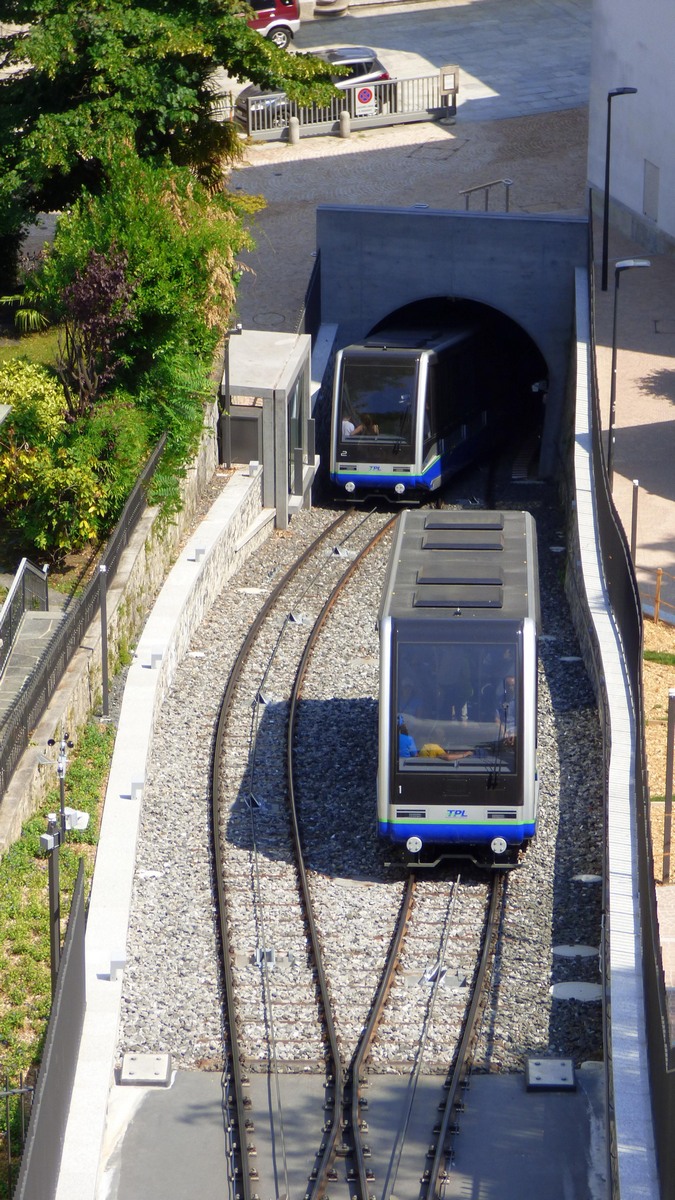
(63, 485)
(37, 402)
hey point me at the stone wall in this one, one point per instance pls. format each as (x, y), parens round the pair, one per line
(131, 594)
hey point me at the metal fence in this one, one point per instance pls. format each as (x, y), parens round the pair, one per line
(623, 590)
(17, 1101)
(39, 1172)
(394, 101)
(30, 703)
(28, 593)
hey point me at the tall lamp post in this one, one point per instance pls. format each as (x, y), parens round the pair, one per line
(622, 91)
(626, 264)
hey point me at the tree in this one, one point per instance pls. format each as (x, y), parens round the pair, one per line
(88, 78)
(97, 307)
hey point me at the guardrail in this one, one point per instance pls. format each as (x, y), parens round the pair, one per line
(507, 184)
(267, 117)
(28, 592)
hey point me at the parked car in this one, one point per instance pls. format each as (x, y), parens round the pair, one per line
(277, 20)
(362, 63)
(330, 8)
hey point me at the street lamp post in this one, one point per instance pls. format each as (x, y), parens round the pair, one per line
(621, 91)
(626, 264)
(226, 438)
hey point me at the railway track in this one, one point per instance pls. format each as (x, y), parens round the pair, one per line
(277, 1128)
(286, 1018)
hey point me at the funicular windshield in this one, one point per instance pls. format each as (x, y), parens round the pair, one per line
(458, 704)
(377, 407)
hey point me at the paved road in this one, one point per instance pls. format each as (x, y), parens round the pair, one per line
(516, 57)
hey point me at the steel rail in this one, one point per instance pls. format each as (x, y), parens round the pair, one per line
(233, 1075)
(329, 1149)
(368, 1035)
(461, 1066)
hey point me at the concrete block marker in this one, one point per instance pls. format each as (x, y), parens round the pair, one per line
(118, 961)
(550, 1075)
(146, 1070)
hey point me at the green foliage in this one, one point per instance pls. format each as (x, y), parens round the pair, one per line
(113, 124)
(27, 320)
(126, 74)
(63, 485)
(179, 244)
(664, 657)
(36, 397)
(25, 983)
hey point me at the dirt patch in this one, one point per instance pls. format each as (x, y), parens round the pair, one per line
(657, 680)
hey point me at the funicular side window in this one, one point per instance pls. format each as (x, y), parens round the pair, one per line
(458, 705)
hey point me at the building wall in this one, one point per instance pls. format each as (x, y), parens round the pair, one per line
(375, 260)
(632, 46)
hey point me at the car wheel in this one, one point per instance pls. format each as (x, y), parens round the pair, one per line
(281, 36)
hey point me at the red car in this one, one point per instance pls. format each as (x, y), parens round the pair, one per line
(277, 20)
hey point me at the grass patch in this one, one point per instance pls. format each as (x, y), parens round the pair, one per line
(36, 347)
(663, 657)
(25, 970)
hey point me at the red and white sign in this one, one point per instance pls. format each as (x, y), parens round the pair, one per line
(365, 103)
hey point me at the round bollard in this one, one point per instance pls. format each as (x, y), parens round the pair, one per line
(345, 127)
(293, 131)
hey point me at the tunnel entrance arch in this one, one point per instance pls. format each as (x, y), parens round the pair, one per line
(511, 367)
(375, 261)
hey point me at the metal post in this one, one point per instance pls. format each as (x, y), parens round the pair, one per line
(54, 901)
(45, 571)
(670, 744)
(626, 264)
(634, 521)
(612, 390)
(622, 91)
(102, 580)
(227, 428)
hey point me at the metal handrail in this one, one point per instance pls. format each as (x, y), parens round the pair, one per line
(18, 599)
(507, 184)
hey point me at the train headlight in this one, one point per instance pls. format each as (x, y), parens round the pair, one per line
(414, 845)
(399, 488)
(349, 487)
(498, 845)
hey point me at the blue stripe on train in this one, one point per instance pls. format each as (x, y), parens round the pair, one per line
(475, 834)
(380, 480)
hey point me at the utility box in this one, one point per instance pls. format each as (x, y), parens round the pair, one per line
(245, 432)
(449, 87)
(266, 414)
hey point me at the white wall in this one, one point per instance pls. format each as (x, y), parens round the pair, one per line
(634, 45)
